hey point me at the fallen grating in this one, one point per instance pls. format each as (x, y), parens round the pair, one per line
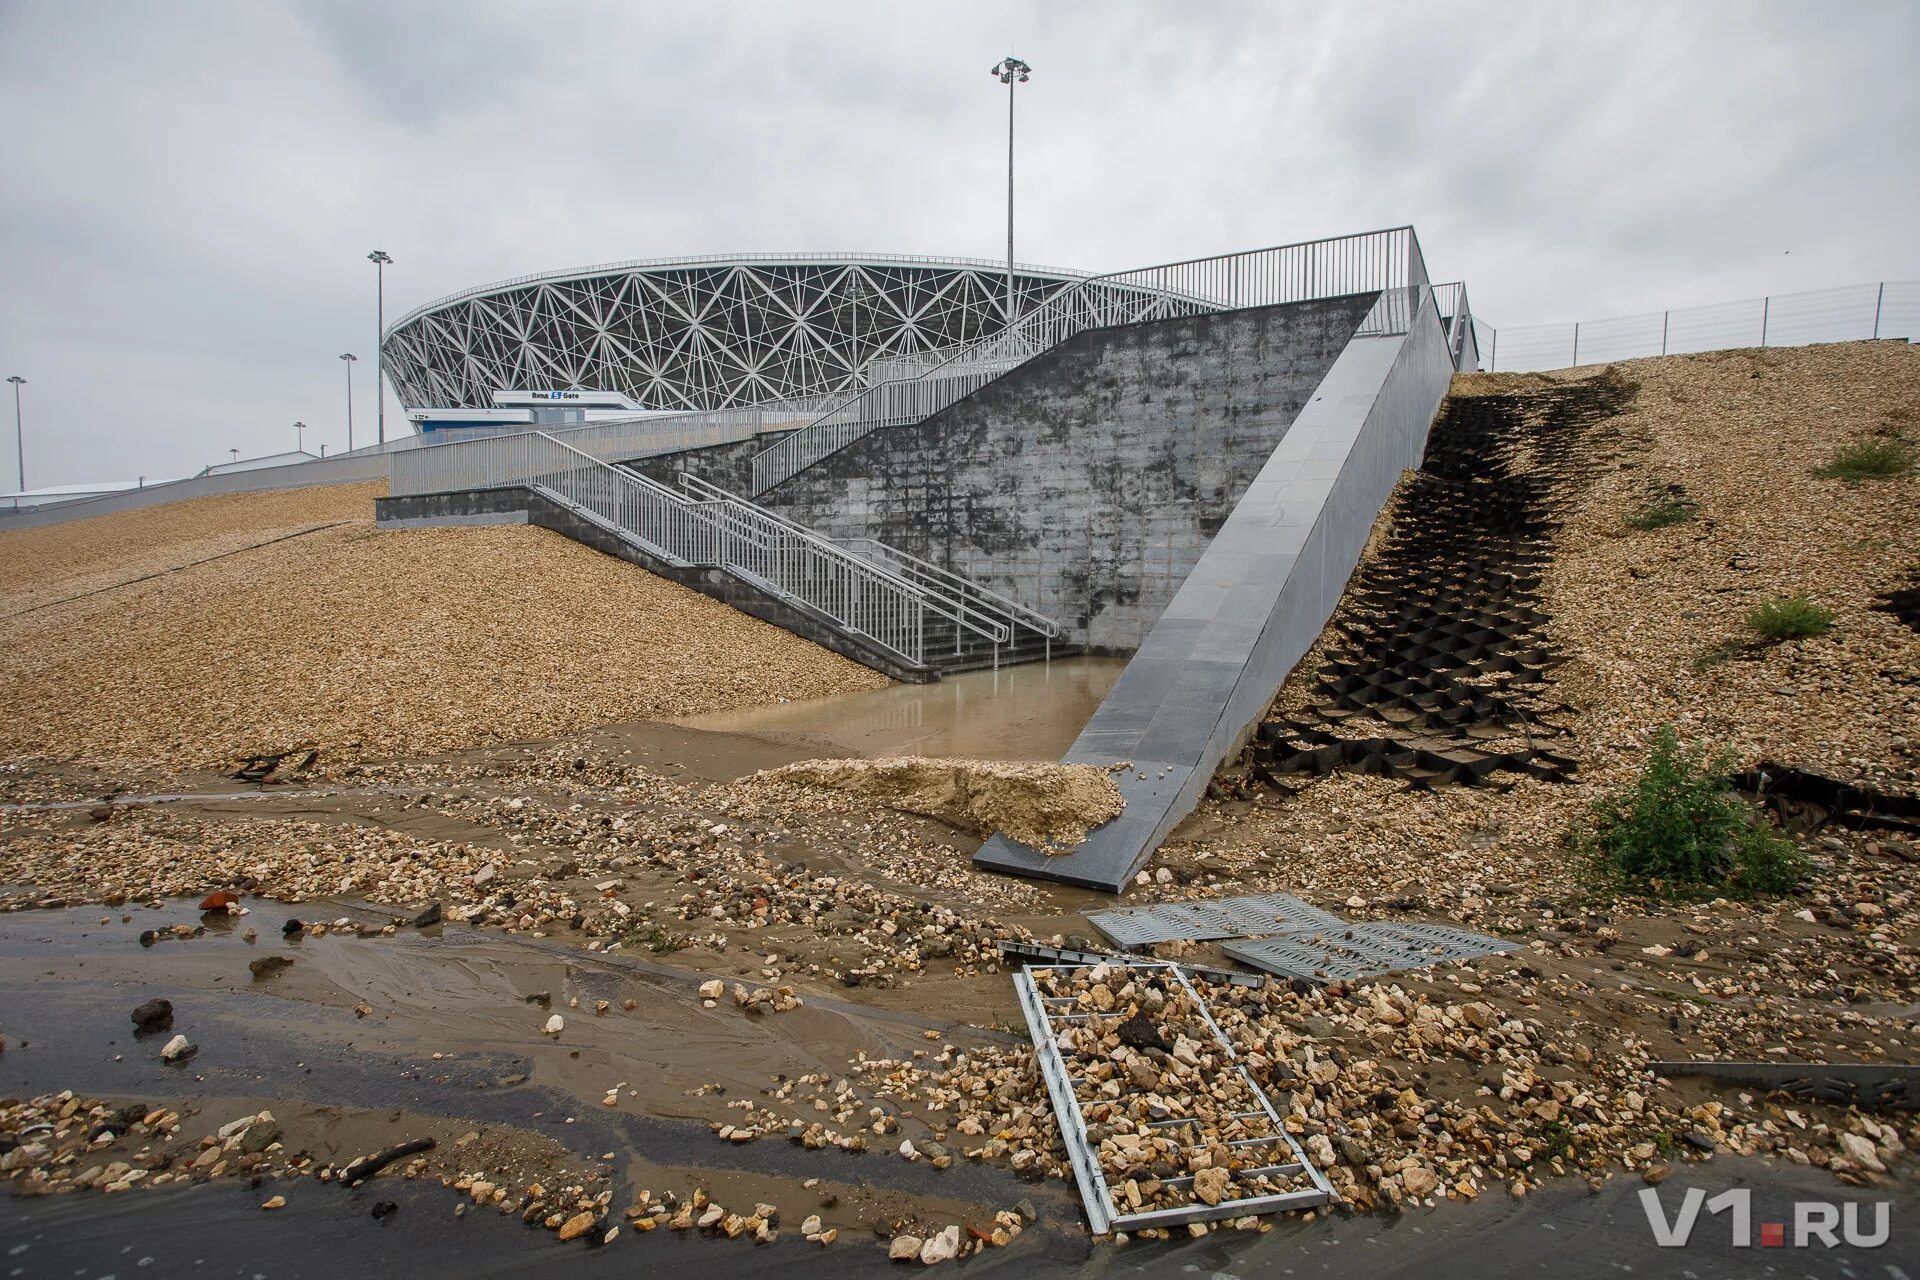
(1258, 1152)
(1806, 801)
(1364, 950)
(1216, 918)
(1877, 1086)
(1067, 955)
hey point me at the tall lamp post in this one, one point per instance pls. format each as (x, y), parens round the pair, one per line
(299, 437)
(1011, 71)
(856, 294)
(19, 440)
(347, 358)
(379, 259)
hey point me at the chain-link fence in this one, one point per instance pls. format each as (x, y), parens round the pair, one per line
(1890, 309)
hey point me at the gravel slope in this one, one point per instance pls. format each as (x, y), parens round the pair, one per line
(312, 627)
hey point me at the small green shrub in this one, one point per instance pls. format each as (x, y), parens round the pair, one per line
(1871, 458)
(658, 941)
(1665, 505)
(1790, 618)
(1681, 831)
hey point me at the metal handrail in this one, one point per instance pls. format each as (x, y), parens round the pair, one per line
(942, 599)
(1329, 267)
(1015, 611)
(756, 546)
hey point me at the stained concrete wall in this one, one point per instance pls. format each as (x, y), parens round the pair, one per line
(1086, 483)
(1254, 604)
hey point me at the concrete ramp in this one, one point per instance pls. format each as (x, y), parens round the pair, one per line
(1255, 602)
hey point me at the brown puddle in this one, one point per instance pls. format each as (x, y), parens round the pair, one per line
(1029, 712)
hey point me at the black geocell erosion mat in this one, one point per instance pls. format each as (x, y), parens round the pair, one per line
(1437, 670)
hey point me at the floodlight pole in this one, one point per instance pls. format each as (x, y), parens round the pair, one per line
(19, 438)
(347, 358)
(1011, 71)
(299, 437)
(379, 259)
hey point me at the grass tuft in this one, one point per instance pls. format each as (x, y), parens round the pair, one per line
(1790, 618)
(1879, 457)
(1680, 831)
(1665, 505)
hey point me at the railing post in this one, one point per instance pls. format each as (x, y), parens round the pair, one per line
(1493, 353)
(1766, 305)
(1665, 316)
(1576, 345)
(1878, 299)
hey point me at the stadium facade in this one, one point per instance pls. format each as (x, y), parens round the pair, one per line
(706, 332)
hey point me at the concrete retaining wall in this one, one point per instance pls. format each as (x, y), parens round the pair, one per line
(1087, 482)
(1254, 604)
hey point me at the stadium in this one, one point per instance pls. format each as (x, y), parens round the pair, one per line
(712, 332)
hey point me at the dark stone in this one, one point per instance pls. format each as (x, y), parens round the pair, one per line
(292, 927)
(385, 1209)
(542, 998)
(1138, 1033)
(153, 1015)
(431, 916)
(266, 966)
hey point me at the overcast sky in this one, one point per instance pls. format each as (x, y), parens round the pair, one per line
(190, 190)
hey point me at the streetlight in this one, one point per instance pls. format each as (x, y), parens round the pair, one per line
(235, 453)
(379, 259)
(299, 437)
(348, 358)
(19, 440)
(1011, 71)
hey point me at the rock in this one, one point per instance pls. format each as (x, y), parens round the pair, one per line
(576, 1226)
(485, 875)
(1419, 1183)
(384, 1209)
(153, 1015)
(555, 1025)
(713, 989)
(1861, 1152)
(292, 927)
(427, 918)
(941, 1247)
(1026, 1210)
(267, 966)
(1211, 1185)
(258, 1137)
(811, 1226)
(277, 1202)
(904, 1248)
(178, 1049)
(1139, 1033)
(220, 901)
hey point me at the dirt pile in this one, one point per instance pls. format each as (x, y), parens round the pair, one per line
(201, 636)
(1050, 806)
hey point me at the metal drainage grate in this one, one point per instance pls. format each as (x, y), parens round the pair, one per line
(1046, 1018)
(1204, 921)
(1017, 950)
(1363, 950)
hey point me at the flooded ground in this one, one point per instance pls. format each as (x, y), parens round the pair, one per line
(1029, 712)
(450, 1048)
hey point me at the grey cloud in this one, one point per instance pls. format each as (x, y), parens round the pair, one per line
(191, 188)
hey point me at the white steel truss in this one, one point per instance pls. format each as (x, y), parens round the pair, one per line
(708, 333)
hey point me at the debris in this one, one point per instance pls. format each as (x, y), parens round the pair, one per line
(154, 1015)
(178, 1049)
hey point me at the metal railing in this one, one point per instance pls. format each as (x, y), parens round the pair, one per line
(1333, 267)
(710, 528)
(969, 605)
(1888, 309)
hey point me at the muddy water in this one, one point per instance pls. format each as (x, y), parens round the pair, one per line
(1029, 712)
